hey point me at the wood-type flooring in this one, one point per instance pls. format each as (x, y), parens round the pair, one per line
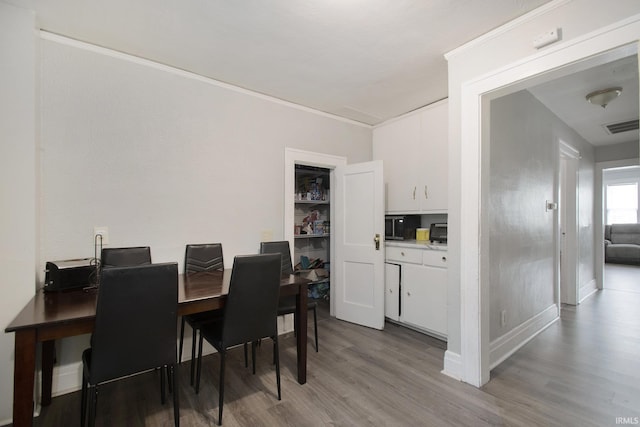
(583, 370)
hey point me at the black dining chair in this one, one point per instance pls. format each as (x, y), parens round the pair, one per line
(287, 304)
(135, 331)
(125, 257)
(250, 313)
(200, 258)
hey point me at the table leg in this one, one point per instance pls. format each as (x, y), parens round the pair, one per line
(48, 349)
(301, 307)
(23, 377)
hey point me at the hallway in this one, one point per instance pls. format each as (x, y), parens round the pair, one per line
(585, 368)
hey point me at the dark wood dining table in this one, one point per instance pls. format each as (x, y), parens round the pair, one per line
(53, 315)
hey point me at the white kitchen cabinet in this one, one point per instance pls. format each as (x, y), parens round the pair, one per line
(423, 287)
(424, 297)
(414, 151)
(395, 144)
(434, 167)
(392, 291)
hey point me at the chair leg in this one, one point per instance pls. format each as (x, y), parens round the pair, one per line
(162, 387)
(83, 404)
(193, 351)
(93, 406)
(223, 354)
(246, 357)
(169, 379)
(176, 399)
(253, 355)
(199, 364)
(315, 326)
(181, 340)
(276, 355)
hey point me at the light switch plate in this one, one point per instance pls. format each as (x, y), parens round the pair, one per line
(266, 236)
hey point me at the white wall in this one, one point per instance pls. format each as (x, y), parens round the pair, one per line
(625, 150)
(164, 158)
(160, 156)
(18, 159)
(503, 49)
(523, 171)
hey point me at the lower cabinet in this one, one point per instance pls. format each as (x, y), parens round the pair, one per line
(424, 297)
(416, 289)
(392, 291)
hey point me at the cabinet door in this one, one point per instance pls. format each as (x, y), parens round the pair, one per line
(392, 291)
(435, 145)
(424, 297)
(397, 145)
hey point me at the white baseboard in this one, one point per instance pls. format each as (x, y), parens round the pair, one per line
(587, 290)
(504, 346)
(66, 379)
(452, 365)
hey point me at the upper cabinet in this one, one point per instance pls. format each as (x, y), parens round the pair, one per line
(414, 151)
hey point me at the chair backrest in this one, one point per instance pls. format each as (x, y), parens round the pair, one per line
(205, 257)
(125, 257)
(282, 248)
(136, 317)
(251, 309)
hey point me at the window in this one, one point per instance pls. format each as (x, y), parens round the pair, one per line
(622, 203)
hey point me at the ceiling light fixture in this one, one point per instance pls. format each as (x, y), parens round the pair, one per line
(604, 96)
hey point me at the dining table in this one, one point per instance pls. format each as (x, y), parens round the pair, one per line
(50, 316)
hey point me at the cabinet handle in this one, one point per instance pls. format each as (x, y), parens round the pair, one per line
(402, 253)
(408, 294)
(414, 193)
(444, 258)
(390, 291)
(426, 194)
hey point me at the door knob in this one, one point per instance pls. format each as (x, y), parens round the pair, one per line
(377, 241)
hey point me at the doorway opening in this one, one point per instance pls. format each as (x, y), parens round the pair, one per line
(299, 160)
(476, 97)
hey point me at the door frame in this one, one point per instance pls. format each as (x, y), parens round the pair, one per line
(567, 222)
(474, 258)
(293, 157)
(599, 212)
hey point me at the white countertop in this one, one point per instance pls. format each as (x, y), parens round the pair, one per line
(416, 244)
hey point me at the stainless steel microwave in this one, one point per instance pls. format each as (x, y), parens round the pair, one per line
(401, 227)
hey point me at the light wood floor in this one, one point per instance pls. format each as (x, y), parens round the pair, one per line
(582, 371)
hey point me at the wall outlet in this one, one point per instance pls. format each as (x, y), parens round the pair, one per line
(266, 236)
(503, 317)
(101, 231)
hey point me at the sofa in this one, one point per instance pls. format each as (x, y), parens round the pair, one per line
(622, 243)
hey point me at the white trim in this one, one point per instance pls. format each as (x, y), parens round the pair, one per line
(474, 288)
(512, 341)
(293, 156)
(66, 379)
(411, 113)
(45, 35)
(587, 290)
(568, 182)
(599, 212)
(542, 10)
(452, 365)
(568, 150)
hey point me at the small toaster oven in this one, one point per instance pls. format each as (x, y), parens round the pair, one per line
(438, 232)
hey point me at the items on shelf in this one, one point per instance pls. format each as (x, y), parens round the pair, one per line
(313, 224)
(318, 274)
(311, 189)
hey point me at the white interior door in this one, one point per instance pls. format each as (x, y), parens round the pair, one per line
(358, 277)
(567, 216)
